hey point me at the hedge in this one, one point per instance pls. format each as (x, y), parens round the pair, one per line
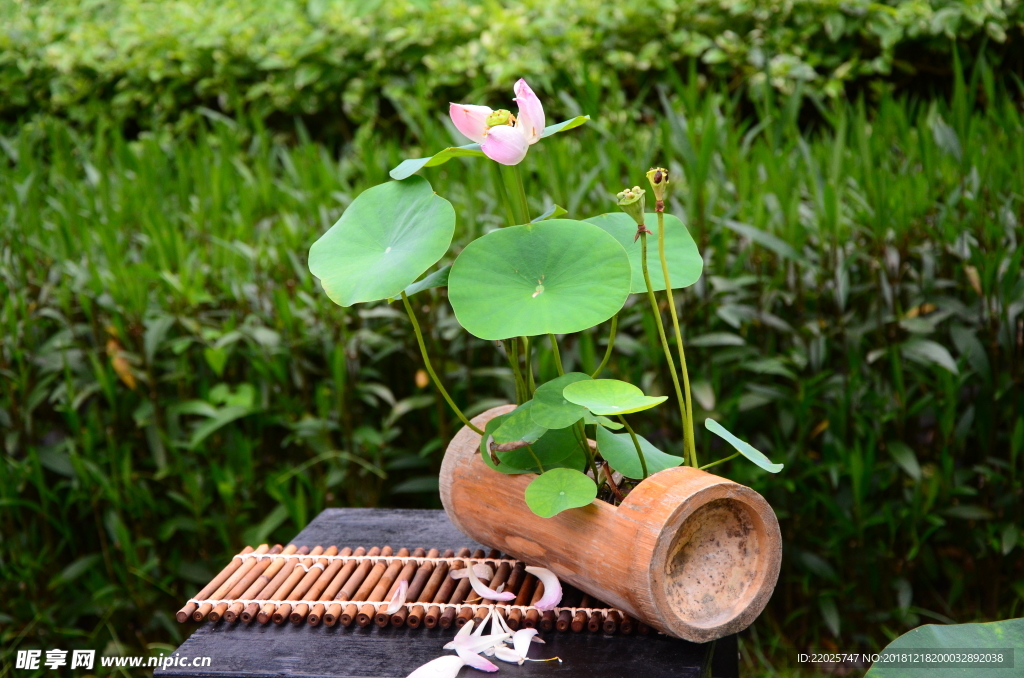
(345, 62)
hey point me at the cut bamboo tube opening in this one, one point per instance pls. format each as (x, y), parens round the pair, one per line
(382, 618)
(419, 580)
(220, 610)
(580, 619)
(334, 611)
(430, 590)
(523, 597)
(185, 613)
(267, 611)
(255, 588)
(444, 594)
(247, 565)
(316, 569)
(252, 609)
(458, 595)
(611, 622)
(384, 580)
(302, 611)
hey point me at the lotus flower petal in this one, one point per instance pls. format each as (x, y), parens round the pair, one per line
(521, 641)
(476, 644)
(475, 660)
(470, 120)
(507, 654)
(552, 588)
(490, 594)
(531, 112)
(505, 144)
(483, 570)
(464, 631)
(442, 667)
(398, 600)
(483, 624)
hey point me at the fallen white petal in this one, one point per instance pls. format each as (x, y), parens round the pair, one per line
(490, 594)
(442, 667)
(398, 600)
(482, 570)
(521, 641)
(464, 631)
(507, 654)
(476, 644)
(552, 588)
(472, 658)
(483, 624)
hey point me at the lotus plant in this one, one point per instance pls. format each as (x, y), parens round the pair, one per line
(538, 278)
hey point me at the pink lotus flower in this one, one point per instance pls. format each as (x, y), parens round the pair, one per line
(503, 137)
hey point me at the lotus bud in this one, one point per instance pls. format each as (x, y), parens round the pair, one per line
(632, 202)
(500, 117)
(658, 177)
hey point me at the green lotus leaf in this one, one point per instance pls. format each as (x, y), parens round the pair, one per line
(551, 409)
(589, 419)
(554, 277)
(411, 166)
(552, 212)
(610, 396)
(386, 239)
(685, 264)
(558, 490)
(520, 426)
(555, 449)
(938, 639)
(438, 278)
(743, 448)
(619, 451)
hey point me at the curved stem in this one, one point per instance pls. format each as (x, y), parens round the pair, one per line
(558, 357)
(664, 341)
(430, 369)
(720, 461)
(636, 444)
(513, 360)
(611, 344)
(533, 454)
(528, 350)
(581, 437)
(688, 424)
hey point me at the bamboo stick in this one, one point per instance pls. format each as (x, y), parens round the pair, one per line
(334, 613)
(532, 617)
(448, 617)
(247, 565)
(243, 584)
(570, 598)
(580, 619)
(444, 593)
(382, 618)
(595, 621)
(316, 570)
(627, 626)
(365, 592)
(252, 609)
(368, 611)
(500, 577)
(642, 628)
(430, 590)
(185, 613)
(523, 597)
(257, 586)
(611, 622)
(419, 580)
(329, 578)
(547, 620)
(267, 611)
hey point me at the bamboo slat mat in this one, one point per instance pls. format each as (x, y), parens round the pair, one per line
(354, 586)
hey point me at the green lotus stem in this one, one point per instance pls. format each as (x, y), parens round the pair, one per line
(664, 340)
(720, 461)
(528, 350)
(581, 437)
(688, 424)
(558, 356)
(501, 189)
(513, 359)
(430, 368)
(533, 454)
(608, 351)
(515, 194)
(636, 444)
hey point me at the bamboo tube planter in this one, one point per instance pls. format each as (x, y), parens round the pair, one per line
(689, 553)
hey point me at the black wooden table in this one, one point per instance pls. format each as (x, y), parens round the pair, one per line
(372, 652)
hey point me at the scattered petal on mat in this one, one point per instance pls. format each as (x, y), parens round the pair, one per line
(482, 570)
(483, 624)
(398, 600)
(507, 654)
(442, 667)
(552, 588)
(476, 644)
(476, 661)
(464, 631)
(491, 594)
(521, 642)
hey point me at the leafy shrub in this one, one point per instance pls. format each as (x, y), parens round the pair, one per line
(344, 62)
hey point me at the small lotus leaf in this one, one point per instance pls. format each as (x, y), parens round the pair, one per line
(743, 448)
(610, 396)
(552, 212)
(559, 489)
(685, 264)
(619, 451)
(555, 449)
(413, 165)
(520, 426)
(551, 409)
(438, 278)
(386, 239)
(554, 277)
(948, 639)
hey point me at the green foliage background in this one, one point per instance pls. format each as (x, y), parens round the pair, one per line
(175, 384)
